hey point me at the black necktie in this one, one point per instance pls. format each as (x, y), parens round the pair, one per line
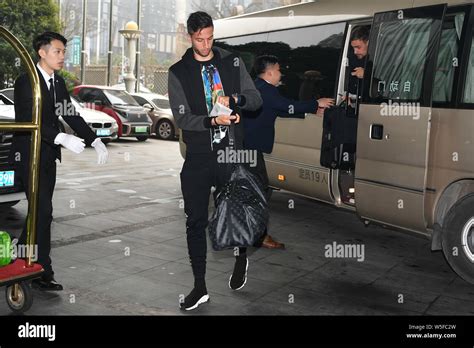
(51, 91)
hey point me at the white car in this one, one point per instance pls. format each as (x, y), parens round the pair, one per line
(10, 190)
(103, 125)
(7, 109)
(121, 86)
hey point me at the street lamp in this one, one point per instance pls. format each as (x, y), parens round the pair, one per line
(131, 33)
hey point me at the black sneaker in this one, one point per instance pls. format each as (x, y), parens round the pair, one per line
(194, 299)
(239, 277)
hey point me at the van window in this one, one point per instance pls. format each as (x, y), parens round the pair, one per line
(401, 56)
(248, 47)
(469, 84)
(447, 54)
(309, 57)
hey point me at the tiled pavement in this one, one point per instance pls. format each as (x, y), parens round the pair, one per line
(119, 249)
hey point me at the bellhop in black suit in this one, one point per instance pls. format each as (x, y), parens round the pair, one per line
(50, 143)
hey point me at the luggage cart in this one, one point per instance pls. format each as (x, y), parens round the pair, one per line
(16, 276)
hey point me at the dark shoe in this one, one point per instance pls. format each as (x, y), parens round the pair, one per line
(46, 284)
(239, 277)
(194, 299)
(270, 243)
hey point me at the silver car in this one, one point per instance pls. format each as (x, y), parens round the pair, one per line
(159, 110)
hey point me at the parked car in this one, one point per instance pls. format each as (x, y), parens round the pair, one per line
(121, 86)
(8, 92)
(11, 191)
(101, 124)
(132, 119)
(159, 110)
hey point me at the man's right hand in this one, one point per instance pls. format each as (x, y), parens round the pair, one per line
(224, 120)
(70, 142)
(325, 102)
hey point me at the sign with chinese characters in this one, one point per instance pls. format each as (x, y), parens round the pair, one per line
(312, 175)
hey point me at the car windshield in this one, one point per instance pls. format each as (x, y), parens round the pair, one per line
(5, 100)
(120, 97)
(77, 105)
(162, 103)
(9, 92)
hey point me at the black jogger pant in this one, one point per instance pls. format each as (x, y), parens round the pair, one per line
(200, 172)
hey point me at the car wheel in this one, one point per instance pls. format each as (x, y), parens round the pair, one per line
(165, 130)
(458, 238)
(142, 138)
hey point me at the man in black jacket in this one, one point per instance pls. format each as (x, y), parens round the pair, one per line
(203, 77)
(50, 48)
(260, 125)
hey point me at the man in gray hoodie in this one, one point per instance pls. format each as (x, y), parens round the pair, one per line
(203, 77)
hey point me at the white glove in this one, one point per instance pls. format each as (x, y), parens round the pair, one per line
(70, 142)
(102, 153)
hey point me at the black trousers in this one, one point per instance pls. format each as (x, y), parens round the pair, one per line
(47, 182)
(200, 172)
(260, 170)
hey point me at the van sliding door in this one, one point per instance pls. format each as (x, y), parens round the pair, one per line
(394, 116)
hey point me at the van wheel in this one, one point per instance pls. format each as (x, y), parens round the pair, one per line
(458, 238)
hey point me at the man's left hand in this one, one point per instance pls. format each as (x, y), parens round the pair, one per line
(225, 101)
(359, 72)
(102, 153)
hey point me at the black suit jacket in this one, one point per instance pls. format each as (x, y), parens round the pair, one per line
(49, 119)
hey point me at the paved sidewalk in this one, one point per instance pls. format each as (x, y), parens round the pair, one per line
(122, 251)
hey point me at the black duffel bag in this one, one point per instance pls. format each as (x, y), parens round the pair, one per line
(338, 147)
(241, 213)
